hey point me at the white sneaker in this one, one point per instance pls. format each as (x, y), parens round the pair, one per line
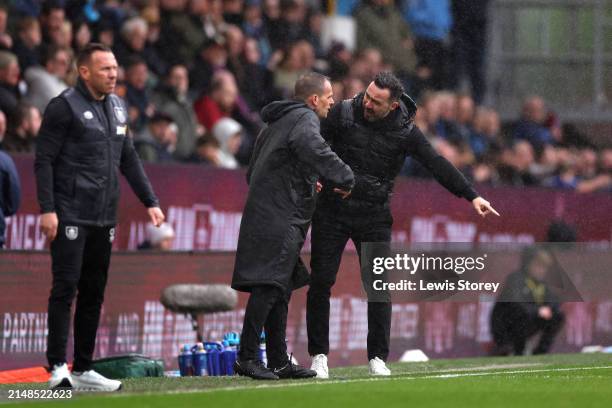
(319, 364)
(60, 377)
(378, 367)
(92, 381)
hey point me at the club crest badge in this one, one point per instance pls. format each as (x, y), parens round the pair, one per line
(111, 235)
(120, 114)
(72, 233)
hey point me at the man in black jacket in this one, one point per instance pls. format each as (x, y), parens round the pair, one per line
(290, 155)
(81, 148)
(372, 133)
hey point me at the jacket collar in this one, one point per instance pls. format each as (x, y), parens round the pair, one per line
(82, 88)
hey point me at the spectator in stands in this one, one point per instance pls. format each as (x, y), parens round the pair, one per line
(181, 30)
(174, 100)
(10, 188)
(138, 93)
(527, 306)
(158, 239)
(156, 143)
(469, 45)
(27, 43)
(291, 27)
(603, 181)
(133, 44)
(447, 127)
(531, 126)
(6, 41)
(52, 19)
(431, 21)
(485, 134)
(208, 152)
(515, 165)
(566, 176)
(22, 132)
(219, 102)
(49, 80)
(228, 133)
(257, 82)
(212, 58)
(298, 59)
(9, 81)
(81, 35)
(380, 25)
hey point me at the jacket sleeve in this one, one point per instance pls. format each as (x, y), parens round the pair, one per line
(132, 169)
(443, 171)
(51, 136)
(11, 194)
(308, 145)
(255, 155)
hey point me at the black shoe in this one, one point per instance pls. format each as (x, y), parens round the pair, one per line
(291, 370)
(254, 369)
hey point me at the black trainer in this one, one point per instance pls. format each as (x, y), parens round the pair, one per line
(291, 370)
(254, 369)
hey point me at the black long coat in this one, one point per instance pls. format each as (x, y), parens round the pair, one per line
(290, 156)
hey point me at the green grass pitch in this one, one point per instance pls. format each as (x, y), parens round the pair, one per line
(563, 380)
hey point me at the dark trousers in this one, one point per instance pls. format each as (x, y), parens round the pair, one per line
(469, 48)
(434, 54)
(513, 323)
(266, 309)
(330, 233)
(80, 260)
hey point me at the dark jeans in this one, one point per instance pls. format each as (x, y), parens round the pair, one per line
(266, 309)
(331, 231)
(469, 48)
(80, 261)
(512, 324)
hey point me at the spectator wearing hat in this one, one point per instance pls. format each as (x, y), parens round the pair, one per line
(228, 133)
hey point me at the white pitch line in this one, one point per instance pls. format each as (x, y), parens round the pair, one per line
(281, 384)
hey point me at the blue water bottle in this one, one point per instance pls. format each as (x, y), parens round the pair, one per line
(199, 360)
(213, 355)
(263, 356)
(230, 353)
(185, 361)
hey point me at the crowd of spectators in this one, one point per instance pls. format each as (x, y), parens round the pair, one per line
(196, 73)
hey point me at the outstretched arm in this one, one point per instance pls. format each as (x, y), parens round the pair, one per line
(445, 173)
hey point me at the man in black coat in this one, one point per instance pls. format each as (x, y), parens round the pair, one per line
(373, 133)
(82, 146)
(290, 155)
(527, 306)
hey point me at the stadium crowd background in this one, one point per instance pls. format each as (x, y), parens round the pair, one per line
(195, 74)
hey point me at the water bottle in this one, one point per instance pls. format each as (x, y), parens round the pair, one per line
(199, 360)
(263, 356)
(185, 361)
(213, 355)
(228, 357)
